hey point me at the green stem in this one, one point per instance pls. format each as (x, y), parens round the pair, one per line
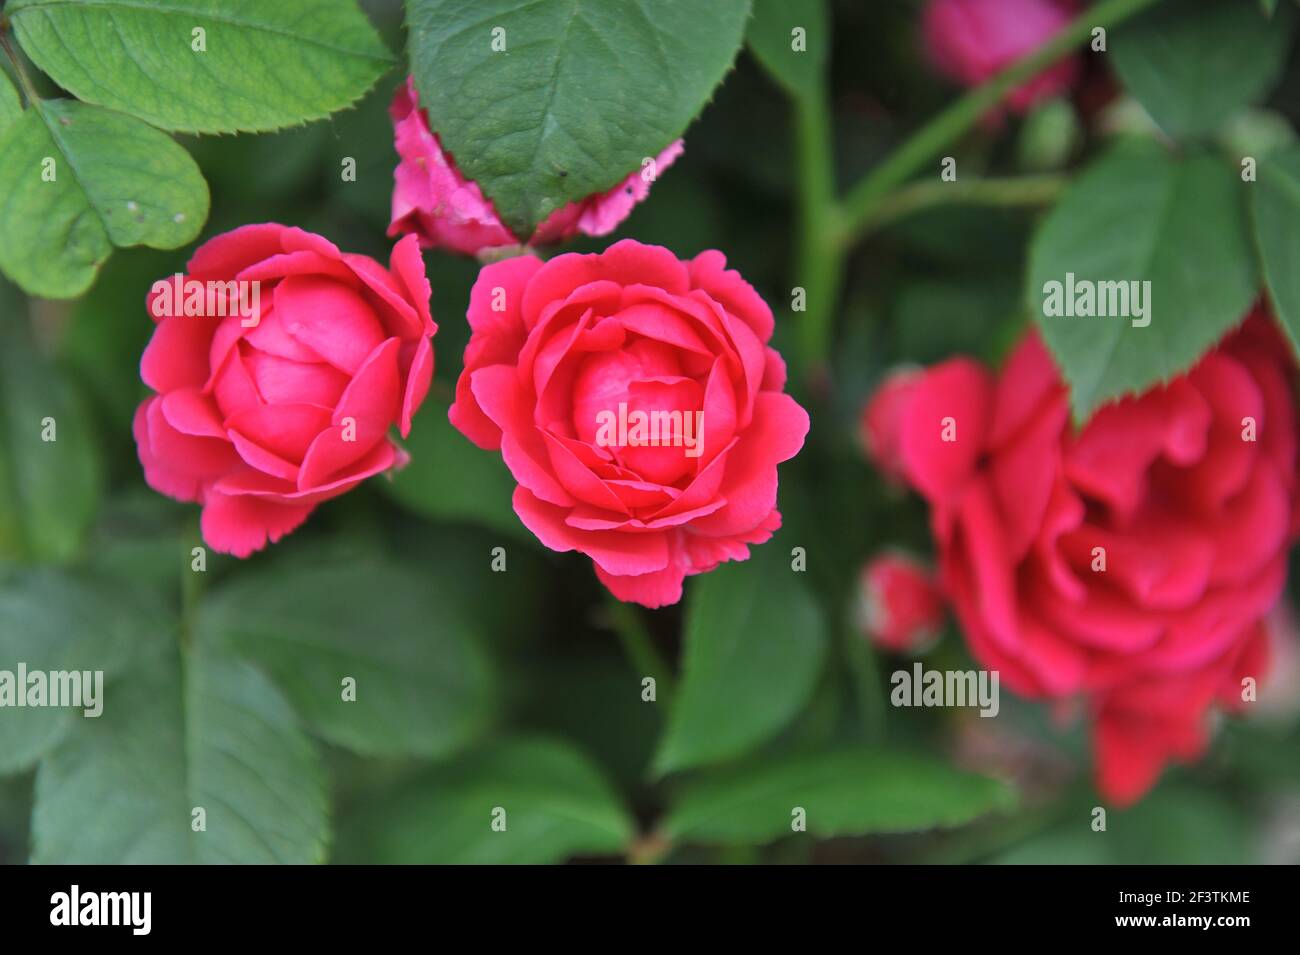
(24, 81)
(640, 649)
(819, 265)
(827, 228)
(864, 673)
(917, 196)
(929, 141)
(192, 581)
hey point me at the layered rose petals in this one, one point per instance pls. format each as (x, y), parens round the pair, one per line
(971, 40)
(434, 201)
(1130, 562)
(259, 421)
(558, 348)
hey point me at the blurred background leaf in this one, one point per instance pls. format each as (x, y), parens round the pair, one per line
(791, 38)
(842, 792)
(422, 679)
(1195, 62)
(56, 621)
(49, 489)
(451, 478)
(548, 802)
(190, 731)
(1176, 825)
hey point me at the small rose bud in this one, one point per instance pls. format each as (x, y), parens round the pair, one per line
(900, 606)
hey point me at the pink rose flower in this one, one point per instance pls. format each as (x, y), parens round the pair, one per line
(262, 413)
(1131, 563)
(972, 40)
(900, 606)
(566, 356)
(431, 199)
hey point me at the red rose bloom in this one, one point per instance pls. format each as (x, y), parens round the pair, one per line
(563, 354)
(1131, 562)
(261, 418)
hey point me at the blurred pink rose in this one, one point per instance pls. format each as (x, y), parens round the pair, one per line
(900, 606)
(1130, 563)
(432, 200)
(971, 40)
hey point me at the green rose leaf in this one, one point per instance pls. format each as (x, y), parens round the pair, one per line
(50, 471)
(193, 760)
(1156, 828)
(206, 66)
(523, 801)
(395, 636)
(76, 180)
(544, 102)
(1141, 215)
(1275, 204)
(791, 38)
(50, 620)
(755, 641)
(1193, 64)
(848, 792)
(10, 107)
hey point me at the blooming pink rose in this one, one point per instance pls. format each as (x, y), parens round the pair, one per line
(900, 606)
(435, 202)
(972, 40)
(564, 354)
(262, 414)
(1129, 563)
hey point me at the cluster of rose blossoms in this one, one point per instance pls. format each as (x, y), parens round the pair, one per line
(260, 422)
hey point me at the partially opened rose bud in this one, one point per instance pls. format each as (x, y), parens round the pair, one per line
(279, 366)
(879, 425)
(972, 40)
(434, 201)
(900, 607)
